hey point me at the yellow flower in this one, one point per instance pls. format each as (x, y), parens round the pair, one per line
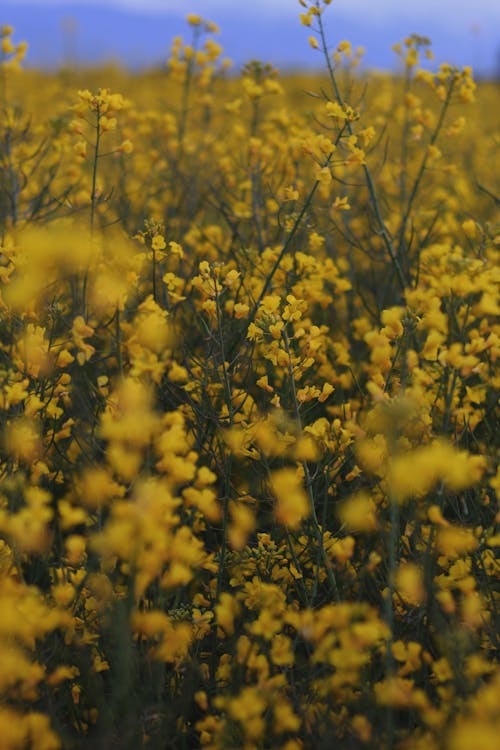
(80, 149)
(472, 733)
(23, 440)
(281, 651)
(64, 594)
(342, 549)
(409, 584)
(435, 515)
(126, 146)
(242, 524)
(247, 708)
(225, 612)
(291, 194)
(291, 500)
(345, 48)
(176, 249)
(334, 109)
(470, 228)
(305, 449)
(454, 541)
(372, 454)
(15, 393)
(326, 392)
(393, 328)
(75, 545)
(205, 500)
(359, 513)
(175, 644)
(241, 310)
(409, 654)
(285, 719)
(96, 487)
(107, 123)
(414, 473)
(158, 242)
(231, 278)
(194, 19)
(397, 692)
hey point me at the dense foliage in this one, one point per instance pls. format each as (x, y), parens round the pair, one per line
(249, 404)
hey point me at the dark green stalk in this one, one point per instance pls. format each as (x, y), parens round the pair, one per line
(384, 232)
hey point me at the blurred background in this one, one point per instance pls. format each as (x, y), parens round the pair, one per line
(138, 33)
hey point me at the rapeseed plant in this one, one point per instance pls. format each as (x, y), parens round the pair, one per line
(248, 404)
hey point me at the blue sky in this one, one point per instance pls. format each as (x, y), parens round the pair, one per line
(138, 32)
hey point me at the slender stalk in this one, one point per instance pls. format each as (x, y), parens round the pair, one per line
(308, 481)
(393, 541)
(278, 261)
(118, 340)
(229, 458)
(186, 92)
(423, 166)
(93, 194)
(404, 142)
(154, 274)
(300, 584)
(384, 232)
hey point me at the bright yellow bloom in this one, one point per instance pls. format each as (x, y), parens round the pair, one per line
(291, 500)
(359, 513)
(409, 584)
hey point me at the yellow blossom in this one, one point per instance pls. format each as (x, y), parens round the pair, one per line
(359, 513)
(291, 500)
(409, 584)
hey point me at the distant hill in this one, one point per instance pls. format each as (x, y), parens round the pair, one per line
(83, 34)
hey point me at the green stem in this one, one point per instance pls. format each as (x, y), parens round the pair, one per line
(229, 459)
(118, 341)
(278, 260)
(422, 168)
(94, 172)
(384, 232)
(154, 274)
(186, 91)
(308, 480)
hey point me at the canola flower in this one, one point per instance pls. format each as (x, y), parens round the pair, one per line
(248, 403)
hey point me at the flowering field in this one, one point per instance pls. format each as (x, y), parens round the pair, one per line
(249, 404)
